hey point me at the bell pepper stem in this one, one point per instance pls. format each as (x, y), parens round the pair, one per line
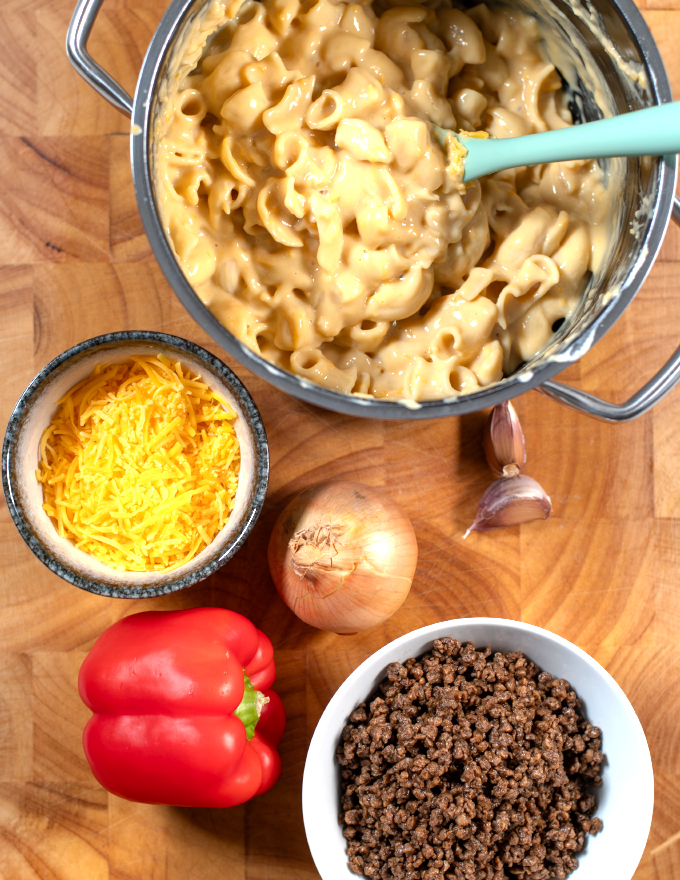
(250, 707)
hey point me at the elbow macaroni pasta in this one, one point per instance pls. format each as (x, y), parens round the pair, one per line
(314, 213)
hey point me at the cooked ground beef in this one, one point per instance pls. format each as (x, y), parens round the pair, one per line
(468, 765)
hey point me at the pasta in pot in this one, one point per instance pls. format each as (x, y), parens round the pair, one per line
(314, 213)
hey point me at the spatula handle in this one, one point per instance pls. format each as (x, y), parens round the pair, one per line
(654, 131)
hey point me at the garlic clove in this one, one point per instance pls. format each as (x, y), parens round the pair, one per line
(504, 440)
(510, 501)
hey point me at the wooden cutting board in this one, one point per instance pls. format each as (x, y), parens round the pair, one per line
(602, 571)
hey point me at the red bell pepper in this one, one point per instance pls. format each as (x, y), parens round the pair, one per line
(183, 710)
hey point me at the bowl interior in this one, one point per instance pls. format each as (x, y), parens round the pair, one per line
(627, 776)
(27, 493)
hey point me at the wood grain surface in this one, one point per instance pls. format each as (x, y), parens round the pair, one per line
(602, 572)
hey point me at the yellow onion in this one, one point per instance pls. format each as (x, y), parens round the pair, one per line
(342, 556)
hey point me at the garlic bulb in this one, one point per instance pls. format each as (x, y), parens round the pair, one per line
(509, 501)
(504, 440)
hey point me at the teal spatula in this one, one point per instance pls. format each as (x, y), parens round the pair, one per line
(654, 131)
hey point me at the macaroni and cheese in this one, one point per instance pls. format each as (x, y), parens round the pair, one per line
(310, 206)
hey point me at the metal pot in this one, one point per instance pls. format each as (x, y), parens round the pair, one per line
(613, 38)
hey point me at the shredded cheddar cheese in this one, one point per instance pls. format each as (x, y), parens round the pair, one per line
(140, 465)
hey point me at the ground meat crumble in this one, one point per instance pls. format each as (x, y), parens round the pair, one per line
(468, 765)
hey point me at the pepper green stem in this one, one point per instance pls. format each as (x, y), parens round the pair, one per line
(250, 707)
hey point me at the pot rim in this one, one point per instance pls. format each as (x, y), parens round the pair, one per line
(366, 407)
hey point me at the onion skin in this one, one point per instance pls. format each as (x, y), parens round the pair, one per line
(342, 556)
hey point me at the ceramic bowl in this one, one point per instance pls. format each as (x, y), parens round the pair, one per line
(36, 408)
(625, 800)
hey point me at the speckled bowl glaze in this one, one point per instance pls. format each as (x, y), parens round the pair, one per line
(625, 800)
(20, 456)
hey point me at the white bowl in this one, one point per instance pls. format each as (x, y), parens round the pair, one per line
(624, 802)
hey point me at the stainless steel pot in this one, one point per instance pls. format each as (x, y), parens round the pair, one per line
(631, 47)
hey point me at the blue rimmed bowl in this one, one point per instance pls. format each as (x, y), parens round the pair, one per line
(33, 413)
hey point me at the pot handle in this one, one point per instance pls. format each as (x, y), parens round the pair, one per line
(83, 19)
(640, 403)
